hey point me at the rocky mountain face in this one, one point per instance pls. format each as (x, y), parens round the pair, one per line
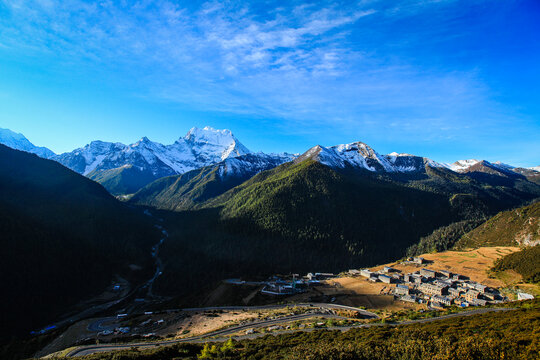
(473, 165)
(20, 142)
(126, 168)
(496, 172)
(200, 147)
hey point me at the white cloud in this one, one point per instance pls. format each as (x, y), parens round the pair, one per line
(306, 63)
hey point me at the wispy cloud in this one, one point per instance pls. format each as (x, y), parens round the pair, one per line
(311, 64)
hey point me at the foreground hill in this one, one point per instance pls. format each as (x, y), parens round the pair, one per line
(63, 238)
(516, 227)
(494, 335)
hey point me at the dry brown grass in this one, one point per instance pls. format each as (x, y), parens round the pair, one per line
(473, 263)
(358, 291)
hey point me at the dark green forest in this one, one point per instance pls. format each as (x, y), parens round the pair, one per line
(63, 238)
(122, 180)
(526, 262)
(302, 217)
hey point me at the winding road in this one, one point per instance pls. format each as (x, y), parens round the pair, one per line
(91, 349)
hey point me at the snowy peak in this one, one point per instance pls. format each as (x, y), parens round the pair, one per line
(359, 155)
(20, 142)
(462, 165)
(503, 165)
(209, 135)
(198, 148)
(209, 140)
(473, 165)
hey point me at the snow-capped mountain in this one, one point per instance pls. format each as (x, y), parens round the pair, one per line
(251, 164)
(20, 142)
(535, 168)
(361, 156)
(483, 166)
(200, 147)
(462, 165)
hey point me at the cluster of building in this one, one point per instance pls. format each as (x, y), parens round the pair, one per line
(293, 284)
(436, 288)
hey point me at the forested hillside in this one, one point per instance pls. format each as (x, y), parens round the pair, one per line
(305, 216)
(63, 238)
(186, 191)
(525, 262)
(122, 180)
(192, 189)
(516, 227)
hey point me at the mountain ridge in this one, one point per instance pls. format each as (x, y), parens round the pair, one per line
(125, 169)
(18, 141)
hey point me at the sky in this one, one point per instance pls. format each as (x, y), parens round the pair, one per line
(445, 79)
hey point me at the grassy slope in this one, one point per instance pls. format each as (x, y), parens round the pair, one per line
(507, 228)
(63, 237)
(501, 335)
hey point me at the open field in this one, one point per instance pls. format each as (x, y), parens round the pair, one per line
(201, 323)
(473, 263)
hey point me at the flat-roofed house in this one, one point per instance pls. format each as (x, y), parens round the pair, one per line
(454, 292)
(481, 288)
(366, 273)
(443, 300)
(409, 298)
(446, 273)
(471, 295)
(402, 290)
(433, 289)
(386, 279)
(428, 273)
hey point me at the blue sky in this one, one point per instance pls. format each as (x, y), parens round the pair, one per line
(445, 79)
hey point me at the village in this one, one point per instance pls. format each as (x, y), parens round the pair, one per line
(434, 288)
(437, 289)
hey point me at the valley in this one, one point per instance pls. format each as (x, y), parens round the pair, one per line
(230, 245)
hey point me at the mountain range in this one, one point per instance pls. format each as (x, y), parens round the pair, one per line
(124, 169)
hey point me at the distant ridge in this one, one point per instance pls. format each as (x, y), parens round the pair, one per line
(20, 142)
(125, 169)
